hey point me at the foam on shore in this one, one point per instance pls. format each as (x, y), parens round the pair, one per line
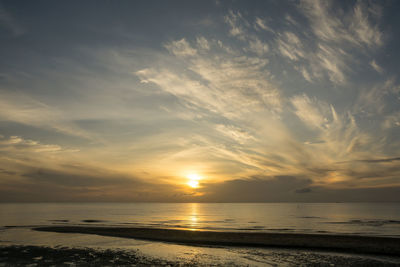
(359, 244)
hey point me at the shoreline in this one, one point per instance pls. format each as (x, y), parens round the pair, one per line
(28, 255)
(341, 243)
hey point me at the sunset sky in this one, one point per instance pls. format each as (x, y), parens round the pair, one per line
(199, 101)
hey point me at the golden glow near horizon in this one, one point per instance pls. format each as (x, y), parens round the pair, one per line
(193, 180)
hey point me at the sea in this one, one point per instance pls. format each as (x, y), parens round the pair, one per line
(366, 219)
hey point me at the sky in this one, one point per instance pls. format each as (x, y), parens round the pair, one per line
(199, 101)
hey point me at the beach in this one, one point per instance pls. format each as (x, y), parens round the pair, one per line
(43, 248)
(358, 244)
(63, 256)
(192, 234)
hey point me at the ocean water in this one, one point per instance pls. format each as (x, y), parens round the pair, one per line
(371, 219)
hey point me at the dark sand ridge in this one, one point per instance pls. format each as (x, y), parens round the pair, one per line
(347, 243)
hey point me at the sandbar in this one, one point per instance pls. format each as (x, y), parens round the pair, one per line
(345, 243)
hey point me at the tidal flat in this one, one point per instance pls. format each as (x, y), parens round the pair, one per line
(33, 256)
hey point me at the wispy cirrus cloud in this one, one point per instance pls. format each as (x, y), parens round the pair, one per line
(311, 112)
(290, 46)
(237, 24)
(230, 84)
(261, 24)
(22, 108)
(354, 27)
(241, 29)
(18, 143)
(328, 52)
(182, 48)
(376, 67)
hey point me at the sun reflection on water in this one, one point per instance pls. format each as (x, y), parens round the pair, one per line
(193, 217)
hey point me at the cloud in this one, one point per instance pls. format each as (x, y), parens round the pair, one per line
(181, 48)
(367, 194)
(19, 154)
(7, 172)
(71, 179)
(311, 112)
(18, 143)
(353, 27)
(230, 84)
(376, 67)
(304, 190)
(379, 160)
(258, 47)
(239, 135)
(333, 61)
(241, 29)
(290, 46)
(367, 34)
(236, 21)
(324, 60)
(22, 108)
(340, 139)
(392, 120)
(336, 34)
(261, 24)
(291, 20)
(203, 43)
(306, 74)
(292, 189)
(255, 189)
(372, 101)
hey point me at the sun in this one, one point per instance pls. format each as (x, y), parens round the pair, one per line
(193, 184)
(193, 180)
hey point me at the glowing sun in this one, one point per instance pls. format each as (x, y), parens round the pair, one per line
(193, 180)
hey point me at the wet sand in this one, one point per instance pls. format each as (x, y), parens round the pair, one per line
(343, 243)
(44, 256)
(34, 256)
